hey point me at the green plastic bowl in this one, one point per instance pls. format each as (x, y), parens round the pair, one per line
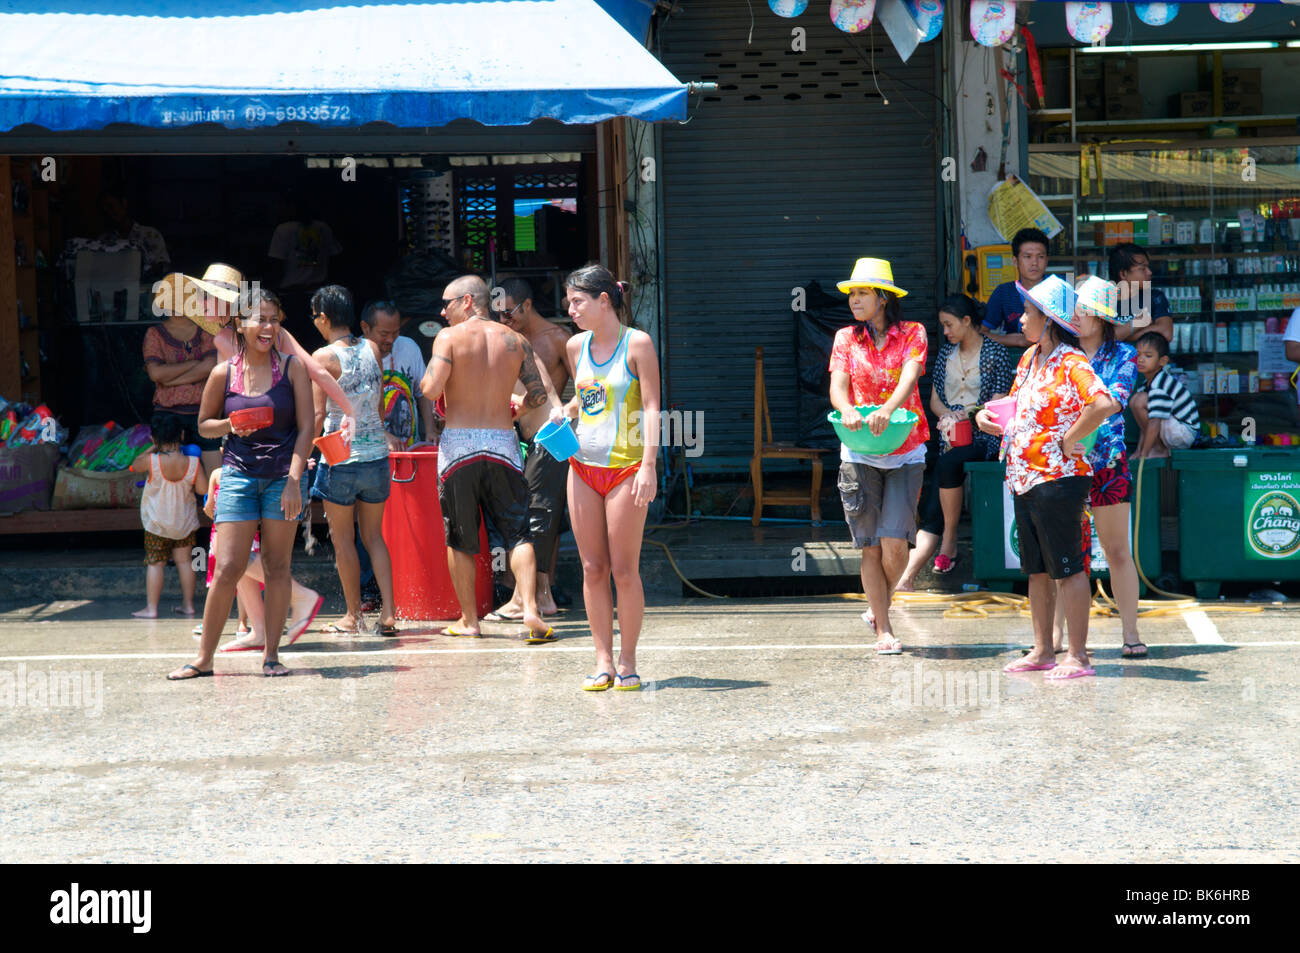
(901, 422)
(1090, 441)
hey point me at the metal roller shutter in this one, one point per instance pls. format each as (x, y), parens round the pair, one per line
(793, 170)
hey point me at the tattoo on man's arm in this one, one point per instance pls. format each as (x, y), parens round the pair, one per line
(440, 357)
(535, 390)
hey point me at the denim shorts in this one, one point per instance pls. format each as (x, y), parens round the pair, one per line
(245, 498)
(348, 483)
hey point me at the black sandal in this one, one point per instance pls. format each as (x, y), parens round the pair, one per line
(198, 673)
(273, 673)
(1134, 653)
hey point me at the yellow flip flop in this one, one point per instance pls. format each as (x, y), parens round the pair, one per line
(628, 688)
(456, 633)
(596, 684)
(537, 638)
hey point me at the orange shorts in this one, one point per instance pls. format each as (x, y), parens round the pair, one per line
(602, 479)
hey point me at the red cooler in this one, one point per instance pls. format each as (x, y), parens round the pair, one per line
(417, 545)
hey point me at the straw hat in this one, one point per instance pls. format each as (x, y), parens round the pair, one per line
(871, 273)
(220, 281)
(1100, 298)
(1055, 298)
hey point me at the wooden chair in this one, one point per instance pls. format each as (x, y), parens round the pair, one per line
(766, 449)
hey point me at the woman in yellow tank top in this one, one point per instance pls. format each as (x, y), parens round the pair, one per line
(612, 477)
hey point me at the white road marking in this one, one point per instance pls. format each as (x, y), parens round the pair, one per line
(1204, 631)
(916, 650)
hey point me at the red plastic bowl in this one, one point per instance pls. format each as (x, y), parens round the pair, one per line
(253, 418)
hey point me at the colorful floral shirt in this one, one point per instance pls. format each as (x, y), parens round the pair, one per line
(1116, 365)
(874, 373)
(1049, 401)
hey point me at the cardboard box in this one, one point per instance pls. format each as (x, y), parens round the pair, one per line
(1113, 233)
(1120, 76)
(1240, 80)
(27, 477)
(1126, 106)
(1243, 104)
(1191, 105)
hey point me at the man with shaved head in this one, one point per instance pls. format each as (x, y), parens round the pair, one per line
(474, 367)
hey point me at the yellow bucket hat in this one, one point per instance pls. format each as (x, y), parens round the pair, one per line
(871, 273)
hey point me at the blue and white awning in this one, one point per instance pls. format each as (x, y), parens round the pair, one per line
(87, 64)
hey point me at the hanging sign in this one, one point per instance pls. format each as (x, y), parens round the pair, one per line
(1156, 14)
(928, 15)
(1088, 22)
(852, 16)
(1272, 514)
(787, 8)
(1231, 12)
(992, 22)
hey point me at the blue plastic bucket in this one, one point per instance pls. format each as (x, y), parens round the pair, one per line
(558, 440)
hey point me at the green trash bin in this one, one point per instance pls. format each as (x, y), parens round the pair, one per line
(1238, 516)
(997, 545)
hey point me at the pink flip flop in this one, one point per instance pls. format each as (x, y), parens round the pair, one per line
(1063, 674)
(1020, 665)
(299, 628)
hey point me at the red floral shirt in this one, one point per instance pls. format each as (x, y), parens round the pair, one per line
(1049, 401)
(874, 374)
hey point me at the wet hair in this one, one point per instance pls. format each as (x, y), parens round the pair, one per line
(597, 280)
(963, 307)
(1026, 235)
(166, 429)
(1123, 257)
(1157, 341)
(335, 302)
(374, 307)
(253, 303)
(517, 290)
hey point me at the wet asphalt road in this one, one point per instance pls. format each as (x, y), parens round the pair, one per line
(766, 731)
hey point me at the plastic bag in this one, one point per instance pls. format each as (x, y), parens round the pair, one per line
(39, 426)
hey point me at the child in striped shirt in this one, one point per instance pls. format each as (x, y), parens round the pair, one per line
(1163, 409)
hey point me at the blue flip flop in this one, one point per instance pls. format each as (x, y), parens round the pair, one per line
(624, 678)
(596, 684)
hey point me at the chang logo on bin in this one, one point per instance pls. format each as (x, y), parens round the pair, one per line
(1273, 527)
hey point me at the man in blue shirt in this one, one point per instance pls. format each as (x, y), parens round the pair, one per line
(1002, 314)
(1130, 269)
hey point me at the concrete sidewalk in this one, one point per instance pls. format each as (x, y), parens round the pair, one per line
(766, 731)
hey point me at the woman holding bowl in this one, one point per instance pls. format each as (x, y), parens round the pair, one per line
(263, 468)
(1059, 400)
(1097, 314)
(877, 363)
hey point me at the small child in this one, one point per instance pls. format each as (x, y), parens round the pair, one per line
(168, 512)
(1163, 409)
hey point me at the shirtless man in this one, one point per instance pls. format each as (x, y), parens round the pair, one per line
(475, 363)
(546, 477)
